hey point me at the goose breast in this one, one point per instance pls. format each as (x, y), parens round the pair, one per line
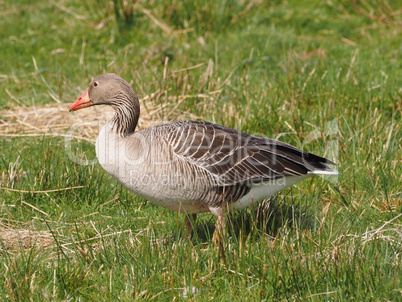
(146, 163)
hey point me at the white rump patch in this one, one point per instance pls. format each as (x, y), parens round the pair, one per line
(266, 189)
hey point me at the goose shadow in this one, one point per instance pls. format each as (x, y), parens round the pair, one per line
(264, 218)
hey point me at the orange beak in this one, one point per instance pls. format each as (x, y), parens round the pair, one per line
(82, 102)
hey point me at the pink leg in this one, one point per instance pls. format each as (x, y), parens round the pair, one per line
(220, 225)
(220, 230)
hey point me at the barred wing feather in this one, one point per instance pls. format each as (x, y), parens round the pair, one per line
(233, 157)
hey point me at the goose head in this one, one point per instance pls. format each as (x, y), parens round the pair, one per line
(106, 89)
(110, 89)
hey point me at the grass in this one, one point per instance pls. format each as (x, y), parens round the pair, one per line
(322, 75)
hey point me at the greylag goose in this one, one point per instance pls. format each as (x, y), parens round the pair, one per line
(190, 166)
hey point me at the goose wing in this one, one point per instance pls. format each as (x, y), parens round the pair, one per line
(233, 157)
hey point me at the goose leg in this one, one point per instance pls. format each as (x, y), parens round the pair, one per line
(220, 225)
(220, 230)
(219, 235)
(190, 220)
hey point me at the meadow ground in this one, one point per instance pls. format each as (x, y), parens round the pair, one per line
(325, 76)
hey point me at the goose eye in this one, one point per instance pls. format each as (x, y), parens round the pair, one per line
(96, 84)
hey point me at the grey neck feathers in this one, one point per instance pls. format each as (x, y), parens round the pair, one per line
(127, 113)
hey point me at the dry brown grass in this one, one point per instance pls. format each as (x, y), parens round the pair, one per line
(55, 120)
(15, 240)
(20, 239)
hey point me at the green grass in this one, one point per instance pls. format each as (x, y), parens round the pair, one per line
(322, 75)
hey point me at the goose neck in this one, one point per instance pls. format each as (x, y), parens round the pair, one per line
(126, 117)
